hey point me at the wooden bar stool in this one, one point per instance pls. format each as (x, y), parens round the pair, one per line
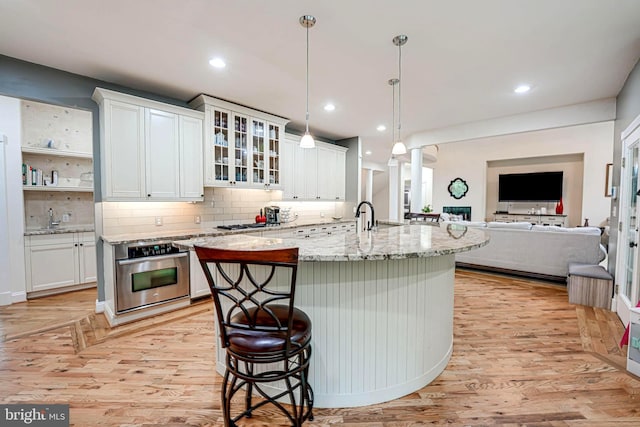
(266, 339)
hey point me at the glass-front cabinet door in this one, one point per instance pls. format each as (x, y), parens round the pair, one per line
(221, 157)
(628, 262)
(265, 154)
(241, 157)
(257, 151)
(273, 169)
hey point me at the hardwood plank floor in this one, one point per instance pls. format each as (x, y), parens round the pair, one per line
(522, 356)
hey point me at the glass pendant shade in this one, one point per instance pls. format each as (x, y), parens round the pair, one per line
(399, 148)
(307, 141)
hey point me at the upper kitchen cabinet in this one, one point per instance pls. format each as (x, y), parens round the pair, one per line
(313, 173)
(242, 145)
(149, 150)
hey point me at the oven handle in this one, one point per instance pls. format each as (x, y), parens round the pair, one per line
(154, 257)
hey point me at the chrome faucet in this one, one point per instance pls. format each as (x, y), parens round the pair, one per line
(52, 223)
(370, 224)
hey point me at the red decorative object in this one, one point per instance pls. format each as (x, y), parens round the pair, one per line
(559, 207)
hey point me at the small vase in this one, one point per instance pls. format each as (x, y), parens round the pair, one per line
(559, 207)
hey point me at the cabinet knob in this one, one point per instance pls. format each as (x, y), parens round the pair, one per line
(75, 244)
(148, 195)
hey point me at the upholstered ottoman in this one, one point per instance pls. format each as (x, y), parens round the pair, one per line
(589, 284)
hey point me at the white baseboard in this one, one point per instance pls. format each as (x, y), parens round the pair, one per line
(8, 298)
(99, 306)
(18, 297)
(5, 298)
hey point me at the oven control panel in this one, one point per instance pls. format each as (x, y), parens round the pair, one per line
(151, 250)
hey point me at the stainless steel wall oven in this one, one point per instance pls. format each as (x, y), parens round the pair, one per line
(149, 273)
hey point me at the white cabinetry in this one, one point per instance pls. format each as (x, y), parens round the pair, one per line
(313, 173)
(331, 181)
(56, 261)
(150, 150)
(199, 287)
(242, 146)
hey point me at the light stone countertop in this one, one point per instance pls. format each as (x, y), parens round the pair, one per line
(60, 230)
(210, 231)
(394, 242)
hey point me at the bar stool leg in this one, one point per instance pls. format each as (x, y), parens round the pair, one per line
(249, 391)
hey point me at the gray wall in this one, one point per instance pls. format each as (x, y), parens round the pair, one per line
(627, 109)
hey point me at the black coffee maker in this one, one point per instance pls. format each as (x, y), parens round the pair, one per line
(273, 215)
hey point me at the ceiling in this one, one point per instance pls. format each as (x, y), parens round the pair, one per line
(461, 63)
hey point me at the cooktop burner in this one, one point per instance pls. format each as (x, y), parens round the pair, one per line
(242, 226)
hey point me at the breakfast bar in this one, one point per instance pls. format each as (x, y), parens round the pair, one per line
(381, 304)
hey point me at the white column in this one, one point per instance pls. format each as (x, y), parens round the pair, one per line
(395, 191)
(369, 186)
(416, 180)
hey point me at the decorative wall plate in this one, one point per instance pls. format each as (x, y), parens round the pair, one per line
(458, 188)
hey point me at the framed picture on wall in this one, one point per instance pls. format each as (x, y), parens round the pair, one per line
(608, 186)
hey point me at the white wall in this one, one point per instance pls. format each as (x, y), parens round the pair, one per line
(468, 160)
(12, 276)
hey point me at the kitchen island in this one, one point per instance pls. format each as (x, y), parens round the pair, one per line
(381, 303)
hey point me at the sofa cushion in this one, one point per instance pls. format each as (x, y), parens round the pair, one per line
(510, 225)
(584, 230)
(588, 270)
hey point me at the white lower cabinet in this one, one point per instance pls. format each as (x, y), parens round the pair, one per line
(198, 281)
(59, 260)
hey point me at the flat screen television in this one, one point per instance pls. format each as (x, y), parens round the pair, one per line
(531, 187)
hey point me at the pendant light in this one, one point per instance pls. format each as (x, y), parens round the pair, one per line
(398, 146)
(307, 21)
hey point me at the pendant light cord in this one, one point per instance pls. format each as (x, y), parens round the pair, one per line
(393, 125)
(307, 116)
(399, 90)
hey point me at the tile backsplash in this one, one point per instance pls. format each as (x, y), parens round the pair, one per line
(76, 207)
(220, 206)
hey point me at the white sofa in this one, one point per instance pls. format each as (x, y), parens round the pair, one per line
(538, 251)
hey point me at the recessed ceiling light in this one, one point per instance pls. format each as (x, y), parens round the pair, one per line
(381, 128)
(522, 89)
(217, 63)
(368, 152)
(329, 107)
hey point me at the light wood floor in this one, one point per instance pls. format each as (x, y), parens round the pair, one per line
(522, 356)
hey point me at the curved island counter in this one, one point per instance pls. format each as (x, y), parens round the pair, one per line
(381, 304)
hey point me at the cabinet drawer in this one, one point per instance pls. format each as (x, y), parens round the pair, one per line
(50, 239)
